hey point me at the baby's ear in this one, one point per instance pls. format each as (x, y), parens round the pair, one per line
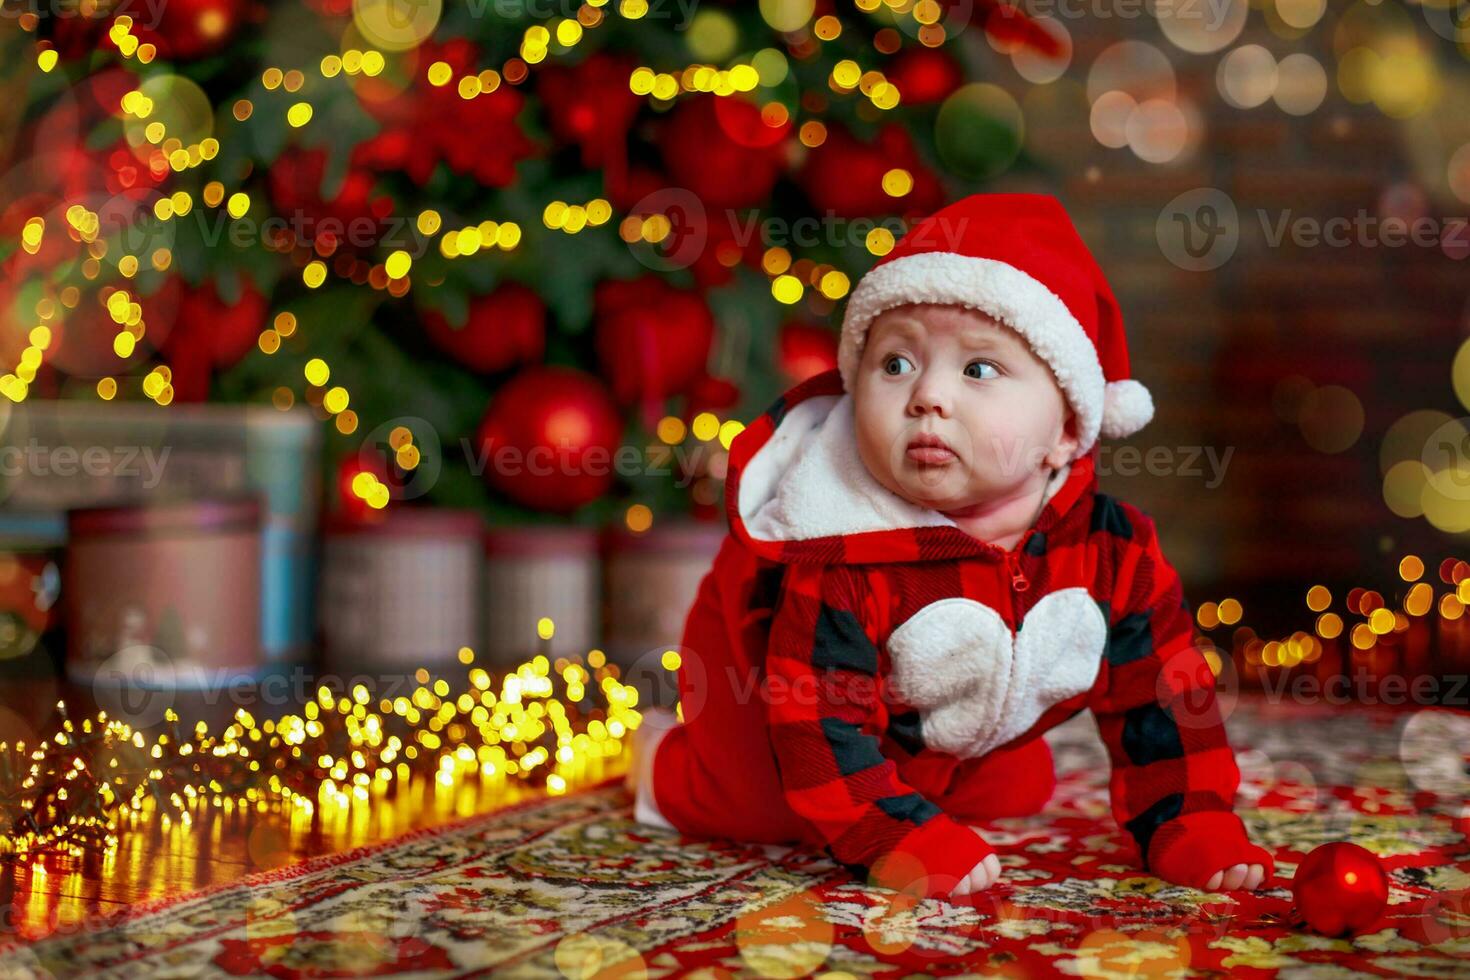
(1067, 442)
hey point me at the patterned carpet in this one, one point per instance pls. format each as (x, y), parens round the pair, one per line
(570, 886)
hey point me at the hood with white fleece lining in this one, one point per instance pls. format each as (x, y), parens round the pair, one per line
(797, 490)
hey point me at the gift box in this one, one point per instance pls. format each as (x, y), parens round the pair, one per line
(31, 556)
(400, 589)
(542, 586)
(76, 454)
(164, 595)
(650, 582)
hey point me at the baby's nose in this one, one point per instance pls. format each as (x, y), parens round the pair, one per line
(928, 398)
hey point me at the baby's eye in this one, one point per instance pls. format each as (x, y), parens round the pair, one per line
(979, 367)
(893, 359)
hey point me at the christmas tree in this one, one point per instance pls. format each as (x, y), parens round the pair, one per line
(456, 231)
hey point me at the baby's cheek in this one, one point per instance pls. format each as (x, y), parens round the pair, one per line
(1007, 440)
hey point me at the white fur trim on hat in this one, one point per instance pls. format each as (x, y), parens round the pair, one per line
(1011, 296)
(1127, 407)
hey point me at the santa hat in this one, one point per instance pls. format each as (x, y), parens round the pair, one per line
(1018, 258)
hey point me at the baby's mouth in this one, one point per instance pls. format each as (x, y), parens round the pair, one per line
(929, 450)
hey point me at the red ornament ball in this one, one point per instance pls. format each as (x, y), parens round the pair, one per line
(550, 437)
(805, 350)
(212, 333)
(506, 327)
(652, 339)
(190, 29)
(1340, 888)
(349, 502)
(724, 150)
(925, 75)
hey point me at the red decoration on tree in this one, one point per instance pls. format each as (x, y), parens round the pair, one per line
(844, 176)
(353, 215)
(1007, 25)
(1340, 888)
(1010, 29)
(652, 339)
(924, 75)
(506, 327)
(722, 149)
(805, 350)
(61, 166)
(711, 394)
(210, 335)
(366, 460)
(591, 106)
(189, 29)
(625, 191)
(81, 343)
(550, 437)
(728, 241)
(708, 242)
(426, 123)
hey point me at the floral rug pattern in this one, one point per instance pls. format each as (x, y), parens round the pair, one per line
(571, 886)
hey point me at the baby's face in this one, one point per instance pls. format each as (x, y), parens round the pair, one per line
(956, 374)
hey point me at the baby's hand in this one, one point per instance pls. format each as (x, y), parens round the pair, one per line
(1243, 876)
(981, 876)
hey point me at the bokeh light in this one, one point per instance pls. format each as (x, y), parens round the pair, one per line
(1201, 28)
(1039, 68)
(1301, 84)
(979, 130)
(1331, 418)
(1247, 76)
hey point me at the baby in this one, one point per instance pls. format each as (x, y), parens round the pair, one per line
(921, 578)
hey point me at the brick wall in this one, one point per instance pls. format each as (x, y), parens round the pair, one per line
(1218, 348)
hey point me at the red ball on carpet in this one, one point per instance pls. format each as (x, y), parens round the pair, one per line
(1340, 888)
(550, 437)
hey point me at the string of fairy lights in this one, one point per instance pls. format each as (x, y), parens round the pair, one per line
(545, 723)
(393, 274)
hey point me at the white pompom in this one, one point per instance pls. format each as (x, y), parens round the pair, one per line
(1127, 407)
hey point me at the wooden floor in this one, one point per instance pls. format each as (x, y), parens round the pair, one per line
(40, 898)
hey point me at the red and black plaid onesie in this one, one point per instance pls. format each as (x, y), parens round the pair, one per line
(861, 674)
